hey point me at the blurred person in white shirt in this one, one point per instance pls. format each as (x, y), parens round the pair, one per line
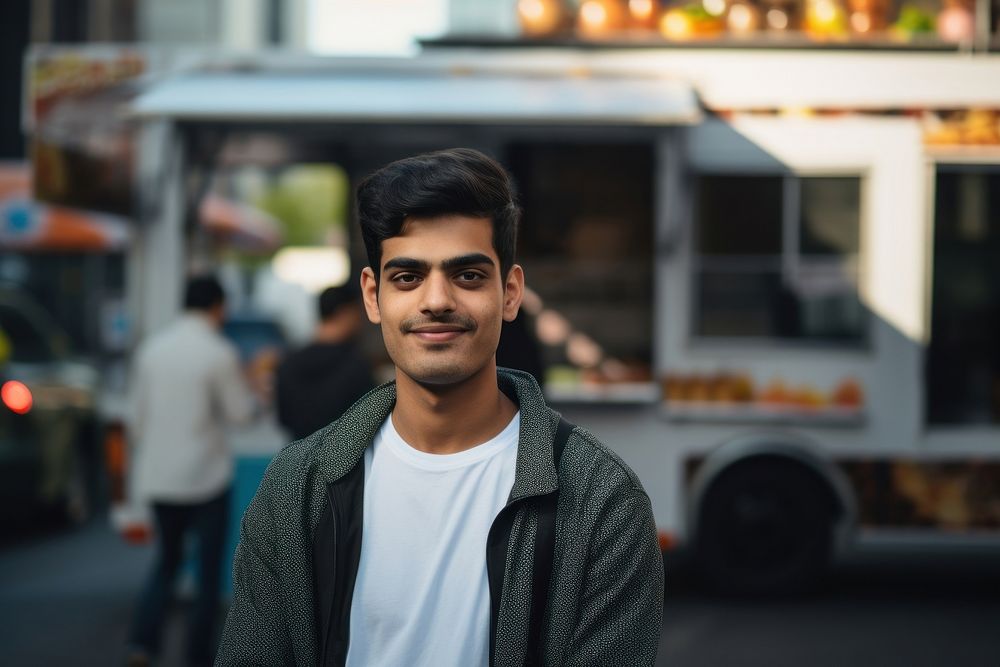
(187, 385)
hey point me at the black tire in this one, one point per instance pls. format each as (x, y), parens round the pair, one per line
(765, 527)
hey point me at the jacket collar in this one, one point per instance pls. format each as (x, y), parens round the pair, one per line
(343, 443)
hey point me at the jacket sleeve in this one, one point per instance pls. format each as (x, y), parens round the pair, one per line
(621, 606)
(256, 630)
(135, 404)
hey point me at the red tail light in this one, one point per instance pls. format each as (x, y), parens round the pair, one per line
(16, 396)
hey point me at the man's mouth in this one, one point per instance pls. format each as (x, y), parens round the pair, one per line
(438, 333)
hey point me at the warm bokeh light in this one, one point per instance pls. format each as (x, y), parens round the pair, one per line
(861, 22)
(825, 18)
(532, 302)
(743, 18)
(956, 23)
(312, 268)
(583, 352)
(714, 7)
(826, 11)
(16, 396)
(599, 17)
(777, 19)
(540, 17)
(674, 25)
(641, 10)
(593, 14)
(531, 10)
(552, 328)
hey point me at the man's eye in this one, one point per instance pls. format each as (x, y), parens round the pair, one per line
(470, 276)
(405, 278)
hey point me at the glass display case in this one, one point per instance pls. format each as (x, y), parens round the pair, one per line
(586, 246)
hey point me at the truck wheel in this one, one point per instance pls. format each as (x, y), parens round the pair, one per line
(765, 528)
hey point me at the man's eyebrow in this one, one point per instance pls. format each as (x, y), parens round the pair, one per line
(409, 263)
(406, 263)
(472, 259)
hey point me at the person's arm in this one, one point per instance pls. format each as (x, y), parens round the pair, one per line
(256, 630)
(621, 607)
(135, 399)
(235, 398)
(134, 420)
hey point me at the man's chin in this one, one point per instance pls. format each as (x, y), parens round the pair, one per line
(441, 379)
(442, 376)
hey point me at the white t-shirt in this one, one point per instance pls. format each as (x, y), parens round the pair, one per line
(422, 595)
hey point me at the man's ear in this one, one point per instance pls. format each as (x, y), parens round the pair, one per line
(513, 292)
(369, 292)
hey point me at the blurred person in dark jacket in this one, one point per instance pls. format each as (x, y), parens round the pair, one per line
(187, 385)
(316, 384)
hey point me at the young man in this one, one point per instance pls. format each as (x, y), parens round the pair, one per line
(314, 385)
(449, 518)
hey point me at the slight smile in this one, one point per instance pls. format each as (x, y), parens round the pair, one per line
(438, 333)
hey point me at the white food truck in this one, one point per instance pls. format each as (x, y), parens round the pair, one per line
(750, 274)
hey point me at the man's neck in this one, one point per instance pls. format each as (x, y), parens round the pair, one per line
(453, 418)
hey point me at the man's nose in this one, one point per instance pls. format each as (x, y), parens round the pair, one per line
(438, 293)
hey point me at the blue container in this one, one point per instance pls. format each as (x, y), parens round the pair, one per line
(249, 471)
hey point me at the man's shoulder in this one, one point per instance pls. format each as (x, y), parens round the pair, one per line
(160, 338)
(316, 455)
(222, 344)
(189, 336)
(293, 466)
(308, 357)
(289, 361)
(588, 461)
(161, 346)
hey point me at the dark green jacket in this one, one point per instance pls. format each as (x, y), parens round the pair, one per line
(300, 540)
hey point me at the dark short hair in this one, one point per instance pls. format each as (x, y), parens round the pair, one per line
(457, 181)
(203, 292)
(333, 299)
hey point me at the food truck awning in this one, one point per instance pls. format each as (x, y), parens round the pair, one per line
(422, 95)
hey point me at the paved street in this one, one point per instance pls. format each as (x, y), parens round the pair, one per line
(65, 599)
(932, 609)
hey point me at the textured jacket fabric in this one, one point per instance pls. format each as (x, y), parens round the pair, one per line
(606, 586)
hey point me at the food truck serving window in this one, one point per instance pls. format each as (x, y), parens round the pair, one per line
(586, 246)
(777, 257)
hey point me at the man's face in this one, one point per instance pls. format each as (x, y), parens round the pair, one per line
(441, 298)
